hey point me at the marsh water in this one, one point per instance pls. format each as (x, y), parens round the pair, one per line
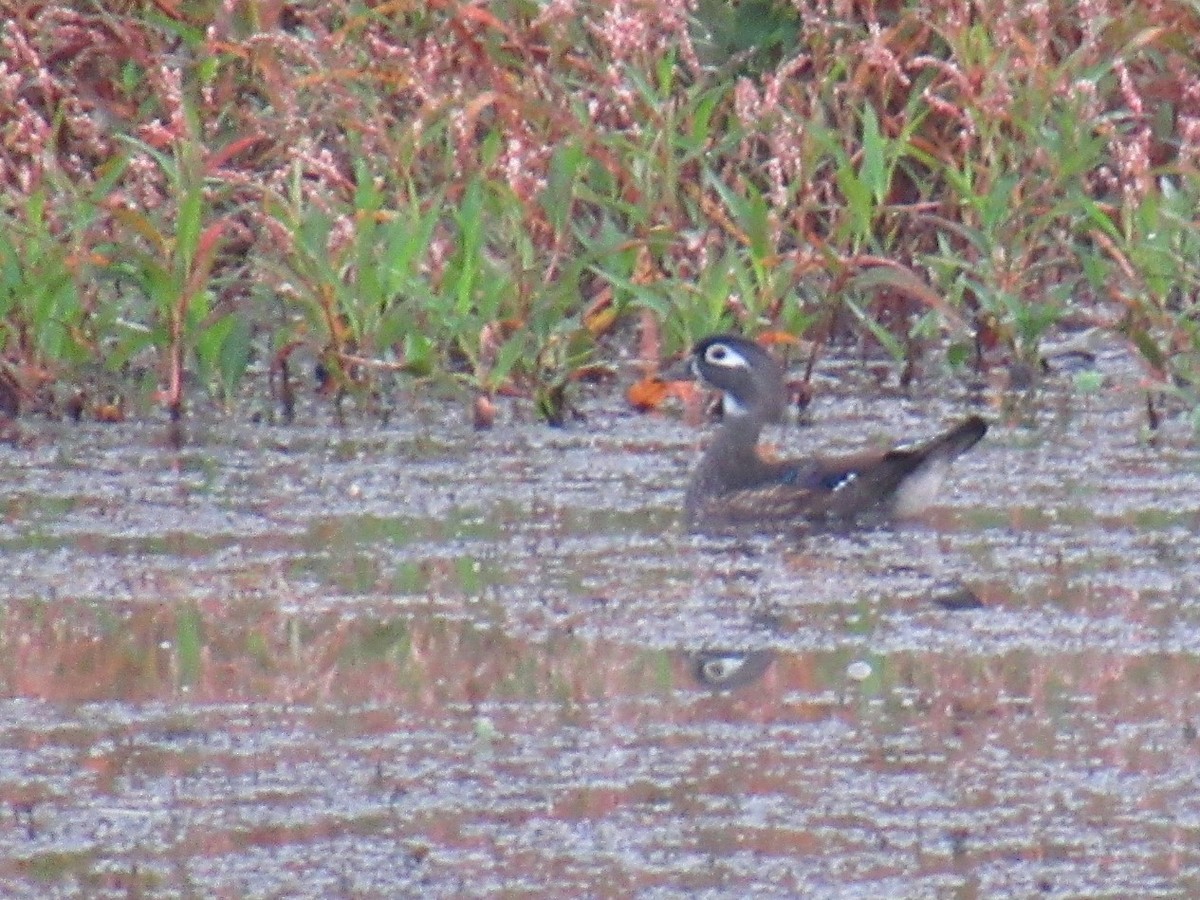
(417, 660)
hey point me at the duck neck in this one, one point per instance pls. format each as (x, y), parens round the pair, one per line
(731, 461)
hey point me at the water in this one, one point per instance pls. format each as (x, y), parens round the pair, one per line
(421, 661)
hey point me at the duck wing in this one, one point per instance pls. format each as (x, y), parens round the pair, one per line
(901, 481)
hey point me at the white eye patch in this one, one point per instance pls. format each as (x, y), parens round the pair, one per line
(726, 356)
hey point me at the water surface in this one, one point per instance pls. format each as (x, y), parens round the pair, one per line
(415, 660)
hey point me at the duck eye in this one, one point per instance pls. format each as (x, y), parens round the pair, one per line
(717, 353)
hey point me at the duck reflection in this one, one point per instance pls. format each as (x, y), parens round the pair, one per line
(728, 670)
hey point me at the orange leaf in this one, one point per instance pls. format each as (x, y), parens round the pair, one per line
(110, 412)
(484, 17)
(209, 239)
(206, 249)
(601, 322)
(648, 394)
(600, 315)
(774, 338)
(508, 389)
(170, 9)
(76, 261)
(688, 391)
(230, 150)
(593, 373)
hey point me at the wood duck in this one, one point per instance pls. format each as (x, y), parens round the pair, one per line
(734, 485)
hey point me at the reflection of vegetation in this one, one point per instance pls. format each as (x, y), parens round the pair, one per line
(255, 650)
(189, 643)
(59, 865)
(388, 641)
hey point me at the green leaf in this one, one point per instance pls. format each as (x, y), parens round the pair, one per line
(556, 198)
(506, 358)
(859, 205)
(874, 173)
(881, 334)
(407, 239)
(997, 204)
(470, 246)
(235, 354)
(188, 227)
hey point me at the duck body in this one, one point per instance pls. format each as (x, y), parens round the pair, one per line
(734, 485)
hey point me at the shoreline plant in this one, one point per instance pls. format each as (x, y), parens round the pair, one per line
(514, 195)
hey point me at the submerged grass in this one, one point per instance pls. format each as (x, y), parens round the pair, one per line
(508, 194)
